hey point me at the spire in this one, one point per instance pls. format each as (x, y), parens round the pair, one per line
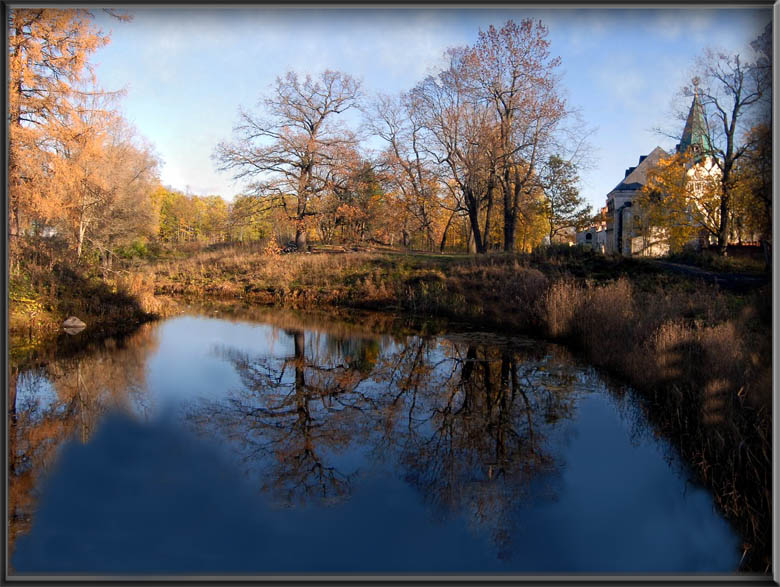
(695, 131)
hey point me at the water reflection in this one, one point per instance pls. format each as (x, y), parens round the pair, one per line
(291, 409)
(65, 398)
(486, 453)
(464, 422)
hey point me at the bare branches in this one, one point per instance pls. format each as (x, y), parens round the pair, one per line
(294, 148)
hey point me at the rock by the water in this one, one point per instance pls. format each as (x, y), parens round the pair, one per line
(73, 322)
(73, 325)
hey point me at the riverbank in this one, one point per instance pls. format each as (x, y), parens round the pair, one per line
(700, 354)
(42, 296)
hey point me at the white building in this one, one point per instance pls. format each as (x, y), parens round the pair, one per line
(624, 232)
(592, 239)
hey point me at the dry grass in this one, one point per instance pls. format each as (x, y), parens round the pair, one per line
(707, 373)
(45, 289)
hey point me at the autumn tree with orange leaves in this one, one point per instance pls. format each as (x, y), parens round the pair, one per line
(75, 166)
(48, 51)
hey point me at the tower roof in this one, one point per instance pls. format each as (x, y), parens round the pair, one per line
(695, 131)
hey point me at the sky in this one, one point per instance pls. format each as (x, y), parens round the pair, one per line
(187, 70)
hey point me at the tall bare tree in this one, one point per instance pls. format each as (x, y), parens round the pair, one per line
(406, 162)
(460, 132)
(291, 150)
(731, 91)
(511, 69)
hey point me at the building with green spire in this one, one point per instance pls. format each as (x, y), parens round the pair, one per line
(625, 232)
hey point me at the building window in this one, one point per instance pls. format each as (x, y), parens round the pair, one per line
(589, 237)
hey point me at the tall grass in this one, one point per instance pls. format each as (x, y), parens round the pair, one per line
(707, 372)
(46, 286)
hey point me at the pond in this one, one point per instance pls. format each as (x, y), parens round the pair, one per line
(278, 442)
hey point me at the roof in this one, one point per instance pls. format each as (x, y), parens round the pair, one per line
(636, 177)
(695, 131)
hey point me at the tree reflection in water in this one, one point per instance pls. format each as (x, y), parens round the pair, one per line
(463, 422)
(297, 411)
(83, 386)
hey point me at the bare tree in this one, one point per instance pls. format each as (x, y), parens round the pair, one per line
(729, 91)
(292, 151)
(511, 69)
(460, 131)
(408, 165)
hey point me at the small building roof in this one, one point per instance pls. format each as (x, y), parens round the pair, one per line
(636, 177)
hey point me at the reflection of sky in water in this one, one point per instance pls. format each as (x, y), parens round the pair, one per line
(154, 497)
(185, 365)
(34, 393)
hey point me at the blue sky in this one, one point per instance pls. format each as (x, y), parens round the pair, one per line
(187, 70)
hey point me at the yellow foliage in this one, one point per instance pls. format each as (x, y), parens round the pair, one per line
(679, 202)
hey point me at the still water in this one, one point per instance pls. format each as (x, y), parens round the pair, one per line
(273, 442)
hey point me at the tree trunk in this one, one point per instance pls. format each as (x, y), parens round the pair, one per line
(510, 212)
(479, 243)
(13, 378)
(723, 228)
(471, 245)
(300, 362)
(510, 226)
(444, 234)
(14, 223)
(300, 238)
(488, 214)
(82, 231)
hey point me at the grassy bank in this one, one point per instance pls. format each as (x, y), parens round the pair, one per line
(702, 356)
(46, 289)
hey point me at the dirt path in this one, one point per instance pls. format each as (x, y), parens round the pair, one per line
(732, 281)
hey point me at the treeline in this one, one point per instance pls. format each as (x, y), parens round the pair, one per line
(473, 158)
(483, 155)
(208, 219)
